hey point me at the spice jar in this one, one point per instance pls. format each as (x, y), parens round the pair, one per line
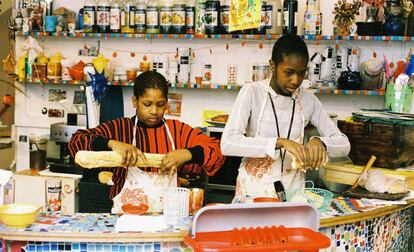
(178, 18)
(260, 72)
(207, 76)
(212, 16)
(54, 68)
(65, 70)
(144, 66)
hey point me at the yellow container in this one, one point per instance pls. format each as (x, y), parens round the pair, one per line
(100, 63)
(54, 68)
(18, 215)
(42, 59)
(21, 69)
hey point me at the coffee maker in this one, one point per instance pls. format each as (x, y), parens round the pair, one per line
(60, 133)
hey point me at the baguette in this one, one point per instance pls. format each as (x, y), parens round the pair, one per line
(100, 159)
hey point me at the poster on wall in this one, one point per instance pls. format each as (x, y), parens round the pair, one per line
(174, 104)
(244, 14)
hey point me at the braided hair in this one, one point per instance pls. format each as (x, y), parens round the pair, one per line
(150, 80)
(287, 45)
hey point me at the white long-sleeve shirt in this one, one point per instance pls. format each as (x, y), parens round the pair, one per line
(239, 137)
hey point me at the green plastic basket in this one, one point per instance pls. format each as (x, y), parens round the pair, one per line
(301, 196)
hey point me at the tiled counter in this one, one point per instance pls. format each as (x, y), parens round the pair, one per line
(387, 228)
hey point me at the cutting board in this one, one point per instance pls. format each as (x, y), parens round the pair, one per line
(360, 192)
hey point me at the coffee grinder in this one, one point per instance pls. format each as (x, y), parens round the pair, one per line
(60, 133)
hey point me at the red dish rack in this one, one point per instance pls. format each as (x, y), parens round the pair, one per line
(256, 227)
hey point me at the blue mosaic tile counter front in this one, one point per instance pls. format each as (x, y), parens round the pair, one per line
(104, 247)
(391, 232)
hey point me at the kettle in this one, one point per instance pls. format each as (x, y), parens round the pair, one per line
(76, 71)
(350, 80)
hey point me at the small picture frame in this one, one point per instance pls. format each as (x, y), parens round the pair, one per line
(79, 97)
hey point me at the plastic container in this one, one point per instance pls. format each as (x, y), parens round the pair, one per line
(176, 204)
(257, 227)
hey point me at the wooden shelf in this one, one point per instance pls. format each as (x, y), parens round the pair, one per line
(79, 34)
(206, 86)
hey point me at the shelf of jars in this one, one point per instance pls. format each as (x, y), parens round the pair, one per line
(212, 36)
(325, 91)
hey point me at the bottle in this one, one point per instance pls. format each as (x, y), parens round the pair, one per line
(313, 18)
(103, 10)
(89, 10)
(18, 21)
(128, 11)
(200, 11)
(189, 17)
(166, 16)
(153, 17)
(178, 18)
(290, 12)
(140, 17)
(212, 16)
(410, 24)
(275, 15)
(224, 16)
(263, 17)
(115, 16)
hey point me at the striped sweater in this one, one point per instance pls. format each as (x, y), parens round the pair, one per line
(205, 151)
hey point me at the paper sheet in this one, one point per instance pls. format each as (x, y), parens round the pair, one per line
(140, 223)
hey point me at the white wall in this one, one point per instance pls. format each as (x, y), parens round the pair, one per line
(29, 120)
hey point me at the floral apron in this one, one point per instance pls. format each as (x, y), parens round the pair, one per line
(143, 187)
(257, 175)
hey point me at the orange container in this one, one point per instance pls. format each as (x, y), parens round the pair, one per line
(266, 239)
(266, 199)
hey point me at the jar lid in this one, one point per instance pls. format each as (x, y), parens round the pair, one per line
(57, 58)
(42, 59)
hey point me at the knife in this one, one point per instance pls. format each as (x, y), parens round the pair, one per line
(280, 190)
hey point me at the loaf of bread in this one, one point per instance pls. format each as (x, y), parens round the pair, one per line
(220, 118)
(100, 159)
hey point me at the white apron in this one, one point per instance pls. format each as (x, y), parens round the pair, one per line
(143, 187)
(257, 175)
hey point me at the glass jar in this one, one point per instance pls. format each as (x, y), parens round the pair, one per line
(207, 75)
(212, 16)
(54, 68)
(178, 18)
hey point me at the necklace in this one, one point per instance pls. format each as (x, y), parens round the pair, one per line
(282, 156)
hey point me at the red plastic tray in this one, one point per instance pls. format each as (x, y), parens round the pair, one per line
(259, 239)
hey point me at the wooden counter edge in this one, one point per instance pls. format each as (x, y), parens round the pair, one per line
(94, 237)
(386, 210)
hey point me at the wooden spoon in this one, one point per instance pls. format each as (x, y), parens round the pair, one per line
(365, 170)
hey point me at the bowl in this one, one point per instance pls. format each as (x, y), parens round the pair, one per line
(18, 215)
(266, 199)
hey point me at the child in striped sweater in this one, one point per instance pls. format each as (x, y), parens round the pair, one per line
(186, 149)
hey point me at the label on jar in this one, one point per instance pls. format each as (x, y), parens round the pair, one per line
(200, 22)
(211, 16)
(189, 17)
(115, 18)
(139, 19)
(132, 16)
(88, 16)
(152, 17)
(178, 17)
(225, 17)
(166, 17)
(269, 13)
(102, 15)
